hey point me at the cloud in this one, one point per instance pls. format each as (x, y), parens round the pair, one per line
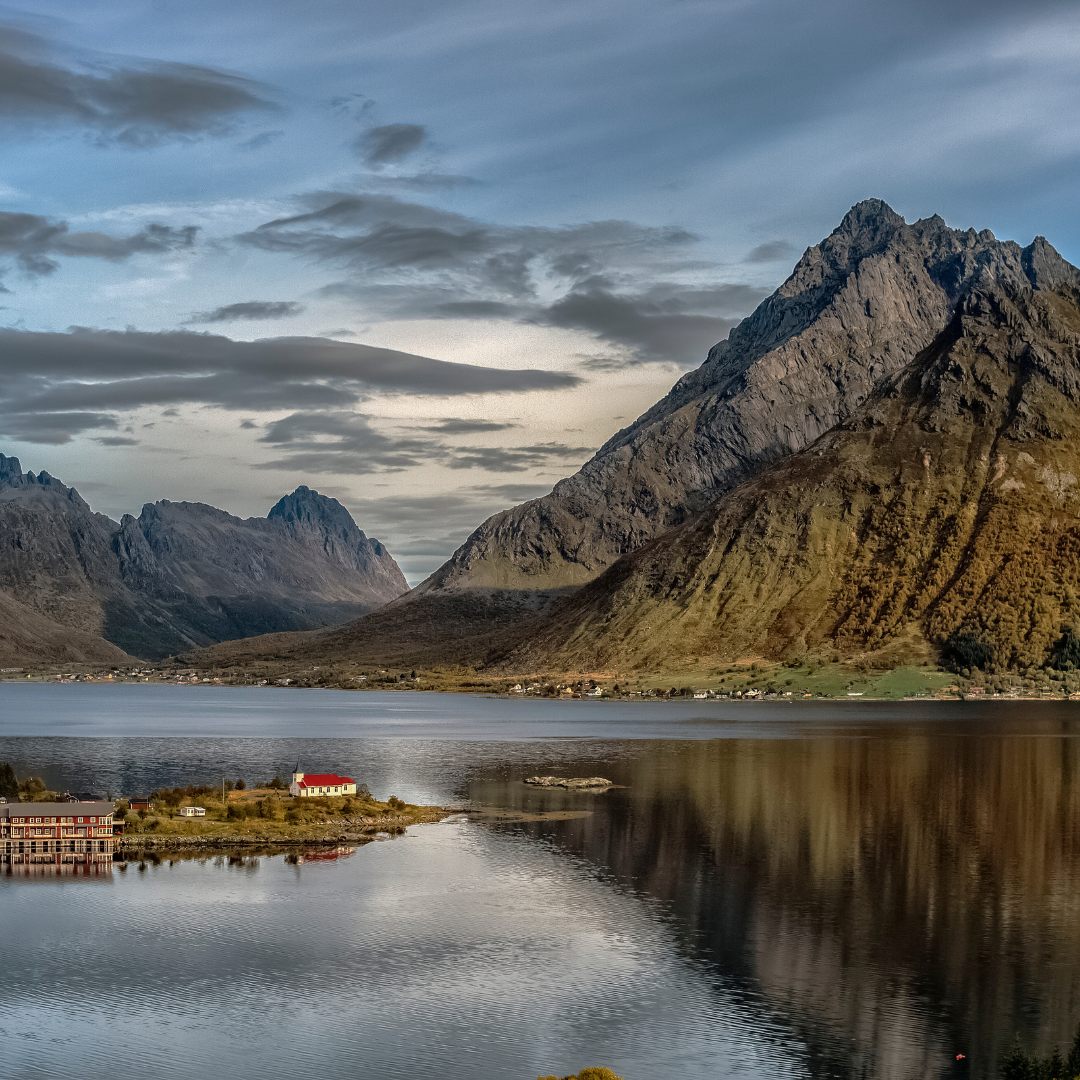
(339, 441)
(35, 240)
(517, 458)
(453, 426)
(425, 181)
(652, 327)
(116, 440)
(613, 279)
(773, 251)
(250, 309)
(390, 143)
(257, 142)
(132, 104)
(54, 386)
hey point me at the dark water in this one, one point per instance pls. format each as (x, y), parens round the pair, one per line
(835, 890)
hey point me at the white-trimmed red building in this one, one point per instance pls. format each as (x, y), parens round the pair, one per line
(324, 784)
(60, 832)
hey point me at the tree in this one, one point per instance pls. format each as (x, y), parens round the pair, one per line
(9, 786)
(967, 650)
(1066, 649)
(240, 785)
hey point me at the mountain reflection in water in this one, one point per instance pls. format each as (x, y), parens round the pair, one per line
(899, 900)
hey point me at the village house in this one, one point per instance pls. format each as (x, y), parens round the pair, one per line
(192, 811)
(55, 832)
(305, 784)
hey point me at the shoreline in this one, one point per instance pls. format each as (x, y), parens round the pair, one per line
(607, 699)
(341, 831)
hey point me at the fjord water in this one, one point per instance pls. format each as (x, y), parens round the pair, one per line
(773, 890)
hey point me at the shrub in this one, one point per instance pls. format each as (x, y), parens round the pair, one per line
(9, 786)
(240, 785)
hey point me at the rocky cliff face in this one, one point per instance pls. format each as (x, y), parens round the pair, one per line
(184, 574)
(858, 307)
(947, 504)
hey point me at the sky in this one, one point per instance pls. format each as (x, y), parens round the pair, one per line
(428, 257)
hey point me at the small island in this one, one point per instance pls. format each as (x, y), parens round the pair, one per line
(233, 814)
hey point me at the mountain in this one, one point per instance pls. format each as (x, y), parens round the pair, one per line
(180, 574)
(858, 307)
(703, 517)
(945, 510)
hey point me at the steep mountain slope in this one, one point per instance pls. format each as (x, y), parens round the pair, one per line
(857, 307)
(184, 574)
(29, 639)
(948, 503)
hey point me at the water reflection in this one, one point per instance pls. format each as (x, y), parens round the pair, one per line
(900, 899)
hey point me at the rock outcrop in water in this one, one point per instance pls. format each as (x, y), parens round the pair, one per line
(83, 587)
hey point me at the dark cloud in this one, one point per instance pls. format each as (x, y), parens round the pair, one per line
(664, 324)
(453, 426)
(116, 440)
(134, 104)
(390, 143)
(518, 458)
(771, 252)
(54, 386)
(50, 428)
(35, 240)
(249, 309)
(406, 260)
(338, 441)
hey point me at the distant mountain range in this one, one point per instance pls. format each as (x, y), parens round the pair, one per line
(78, 586)
(880, 459)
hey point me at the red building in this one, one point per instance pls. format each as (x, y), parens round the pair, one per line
(321, 784)
(56, 832)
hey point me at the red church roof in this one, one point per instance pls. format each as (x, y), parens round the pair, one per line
(324, 780)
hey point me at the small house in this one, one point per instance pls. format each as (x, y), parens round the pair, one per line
(321, 784)
(192, 811)
(141, 803)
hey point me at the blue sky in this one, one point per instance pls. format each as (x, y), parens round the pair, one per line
(573, 199)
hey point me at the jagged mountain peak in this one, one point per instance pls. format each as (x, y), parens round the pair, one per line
(857, 307)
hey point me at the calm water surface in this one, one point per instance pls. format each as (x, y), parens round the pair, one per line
(821, 890)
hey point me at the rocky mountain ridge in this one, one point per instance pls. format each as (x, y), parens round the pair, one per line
(182, 574)
(858, 307)
(945, 508)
